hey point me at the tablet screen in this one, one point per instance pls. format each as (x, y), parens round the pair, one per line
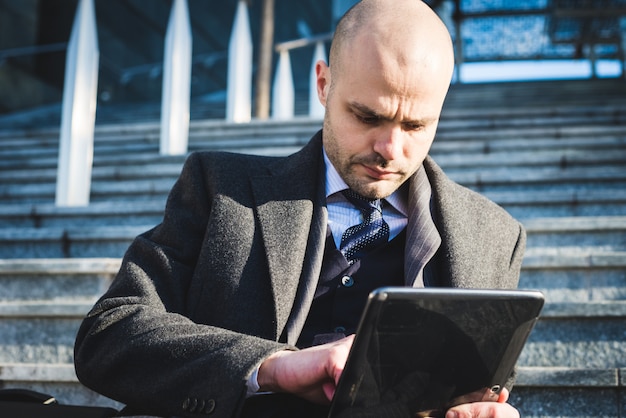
(420, 351)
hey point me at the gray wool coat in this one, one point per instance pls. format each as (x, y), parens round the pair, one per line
(228, 277)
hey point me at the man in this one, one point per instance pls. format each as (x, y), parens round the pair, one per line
(247, 286)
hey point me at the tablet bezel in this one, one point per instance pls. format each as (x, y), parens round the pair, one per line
(528, 307)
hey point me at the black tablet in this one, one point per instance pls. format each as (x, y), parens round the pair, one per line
(417, 352)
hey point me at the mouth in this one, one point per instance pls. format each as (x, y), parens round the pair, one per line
(378, 174)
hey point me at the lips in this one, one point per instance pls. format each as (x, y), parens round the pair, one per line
(379, 174)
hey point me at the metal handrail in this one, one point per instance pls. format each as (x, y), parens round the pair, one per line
(32, 50)
(302, 42)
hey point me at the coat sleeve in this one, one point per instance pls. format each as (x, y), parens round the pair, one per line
(138, 346)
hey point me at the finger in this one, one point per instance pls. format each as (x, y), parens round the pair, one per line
(504, 395)
(329, 390)
(483, 410)
(339, 356)
(337, 365)
(494, 396)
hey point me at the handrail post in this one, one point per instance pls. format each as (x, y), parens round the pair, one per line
(79, 110)
(283, 95)
(316, 109)
(622, 46)
(239, 80)
(176, 82)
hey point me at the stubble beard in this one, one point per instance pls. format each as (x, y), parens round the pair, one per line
(348, 168)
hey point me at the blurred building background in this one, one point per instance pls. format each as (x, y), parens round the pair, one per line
(534, 35)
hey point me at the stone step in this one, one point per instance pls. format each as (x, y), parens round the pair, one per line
(542, 180)
(56, 280)
(601, 233)
(459, 118)
(591, 142)
(491, 137)
(157, 180)
(73, 242)
(70, 232)
(101, 191)
(506, 117)
(35, 182)
(66, 288)
(530, 204)
(578, 335)
(564, 275)
(538, 392)
(42, 158)
(572, 275)
(552, 171)
(542, 392)
(47, 215)
(139, 208)
(577, 150)
(573, 335)
(153, 164)
(37, 332)
(542, 93)
(158, 170)
(575, 130)
(555, 158)
(283, 137)
(58, 380)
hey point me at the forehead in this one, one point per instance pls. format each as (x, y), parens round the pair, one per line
(389, 89)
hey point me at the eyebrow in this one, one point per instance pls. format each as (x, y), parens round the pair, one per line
(371, 112)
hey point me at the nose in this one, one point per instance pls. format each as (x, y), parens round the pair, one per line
(389, 142)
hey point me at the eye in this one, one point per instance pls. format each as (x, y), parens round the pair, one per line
(413, 126)
(367, 119)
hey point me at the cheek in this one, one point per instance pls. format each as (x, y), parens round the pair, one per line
(417, 148)
(349, 139)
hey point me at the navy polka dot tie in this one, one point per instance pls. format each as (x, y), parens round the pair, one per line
(373, 232)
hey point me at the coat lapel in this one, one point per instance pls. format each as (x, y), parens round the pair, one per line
(293, 226)
(423, 239)
(463, 242)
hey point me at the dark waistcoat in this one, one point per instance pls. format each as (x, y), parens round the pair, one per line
(342, 289)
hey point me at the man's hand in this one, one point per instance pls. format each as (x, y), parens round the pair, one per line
(498, 409)
(312, 373)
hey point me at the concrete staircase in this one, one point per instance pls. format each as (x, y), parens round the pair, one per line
(552, 154)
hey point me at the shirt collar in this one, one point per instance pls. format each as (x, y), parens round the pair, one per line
(335, 184)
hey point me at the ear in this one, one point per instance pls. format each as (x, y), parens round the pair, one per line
(322, 74)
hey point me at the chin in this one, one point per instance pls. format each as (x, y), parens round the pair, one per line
(376, 190)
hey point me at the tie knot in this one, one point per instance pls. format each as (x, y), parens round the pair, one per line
(361, 202)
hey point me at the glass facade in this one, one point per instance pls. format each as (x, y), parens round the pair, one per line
(34, 36)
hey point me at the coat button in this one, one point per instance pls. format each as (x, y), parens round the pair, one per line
(186, 403)
(347, 281)
(209, 407)
(193, 405)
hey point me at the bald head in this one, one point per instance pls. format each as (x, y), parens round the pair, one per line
(407, 31)
(389, 71)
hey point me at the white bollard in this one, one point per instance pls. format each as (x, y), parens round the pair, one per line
(316, 109)
(283, 95)
(176, 82)
(79, 110)
(239, 79)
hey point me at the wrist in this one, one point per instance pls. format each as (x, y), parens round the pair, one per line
(266, 376)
